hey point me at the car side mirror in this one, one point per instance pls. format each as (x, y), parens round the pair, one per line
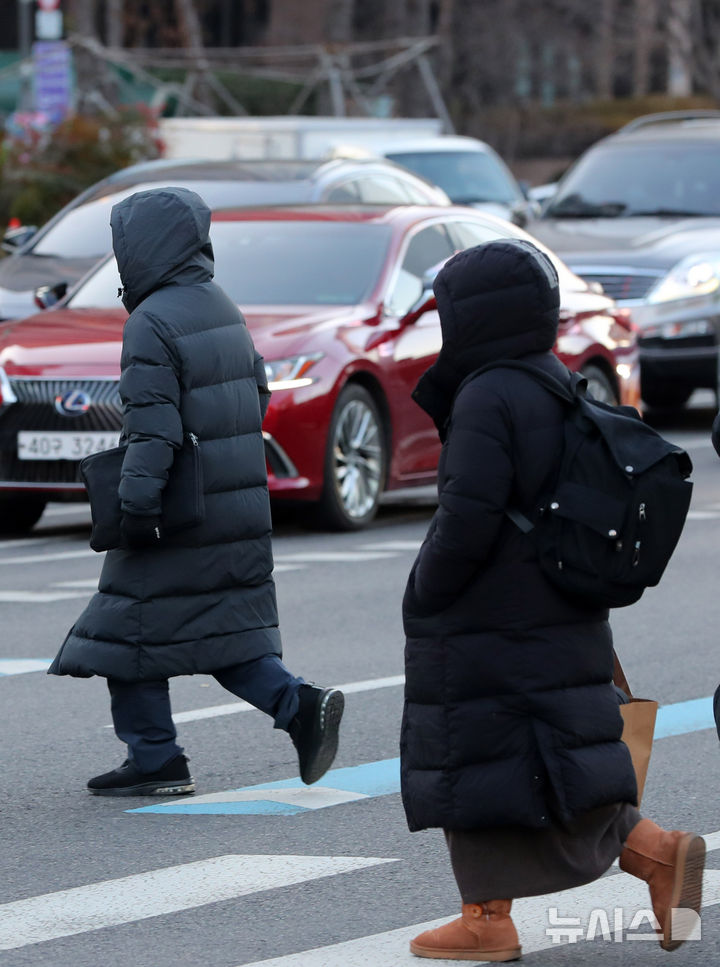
(15, 238)
(49, 295)
(426, 303)
(519, 214)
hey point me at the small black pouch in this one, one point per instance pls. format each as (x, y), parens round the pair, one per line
(183, 503)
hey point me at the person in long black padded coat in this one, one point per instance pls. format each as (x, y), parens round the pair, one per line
(200, 600)
(511, 734)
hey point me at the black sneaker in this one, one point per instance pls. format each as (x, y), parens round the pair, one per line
(173, 779)
(314, 730)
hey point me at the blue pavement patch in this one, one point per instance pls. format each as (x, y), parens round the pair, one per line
(20, 666)
(289, 797)
(684, 717)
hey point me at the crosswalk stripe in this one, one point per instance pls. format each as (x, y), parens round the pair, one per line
(38, 597)
(232, 708)
(379, 778)
(331, 557)
(393, 546)
(22, 542)
(160, 892)
(46, 558)
(623, 898)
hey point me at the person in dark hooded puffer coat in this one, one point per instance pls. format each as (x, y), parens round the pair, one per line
(511, 734)
(199, 600)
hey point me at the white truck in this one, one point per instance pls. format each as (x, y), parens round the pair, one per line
(251, 138)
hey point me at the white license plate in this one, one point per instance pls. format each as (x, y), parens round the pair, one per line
(63, 445)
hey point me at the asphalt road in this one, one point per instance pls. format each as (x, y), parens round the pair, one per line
(291, 877)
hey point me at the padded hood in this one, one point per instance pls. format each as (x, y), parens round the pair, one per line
(161, 237)
(499, 300)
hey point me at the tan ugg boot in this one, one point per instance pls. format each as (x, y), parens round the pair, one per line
(672, 864)
(485, 931)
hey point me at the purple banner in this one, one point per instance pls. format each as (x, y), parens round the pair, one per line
(52, 65)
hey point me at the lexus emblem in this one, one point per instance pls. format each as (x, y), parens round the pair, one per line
(73, 403)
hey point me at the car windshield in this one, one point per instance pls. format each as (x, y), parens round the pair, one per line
(663, 180)
(84, 231)
(466, 176)
(276, 263)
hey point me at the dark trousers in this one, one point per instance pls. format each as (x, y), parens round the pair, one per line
(143, 719)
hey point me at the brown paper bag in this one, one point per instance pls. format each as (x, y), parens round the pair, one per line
(639, 716)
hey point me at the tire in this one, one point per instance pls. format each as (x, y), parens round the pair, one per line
(600, 385)
(664, 396)
(18, 515)
(356, 461)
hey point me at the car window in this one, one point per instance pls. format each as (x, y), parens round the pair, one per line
(640, 179)
(346, 193)
(84, 231)
(382, 190)
(466, 176)
(467, 234)
(426, 249)
(277, 263)
(419, 196)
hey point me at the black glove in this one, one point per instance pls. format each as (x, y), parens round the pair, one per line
(140, 531)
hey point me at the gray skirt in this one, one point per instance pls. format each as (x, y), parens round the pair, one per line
(511, 862)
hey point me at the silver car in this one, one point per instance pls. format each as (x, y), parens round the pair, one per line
(639, 214)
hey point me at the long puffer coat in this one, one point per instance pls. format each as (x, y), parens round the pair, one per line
(204, 598)
(510, 716)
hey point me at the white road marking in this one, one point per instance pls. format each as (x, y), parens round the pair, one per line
(232, 708)
(330, 557)
(74, 508)
(160, 892)
(20, 666)
(38, 597)
(23, 542)
(616, 892)
(44, 558)
(393, 546)
(309, 797)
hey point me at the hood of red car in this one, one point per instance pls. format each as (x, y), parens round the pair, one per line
(87, 342)
(63, 342)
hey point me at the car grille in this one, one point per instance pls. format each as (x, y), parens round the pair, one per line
(35, 410)
(622, 286)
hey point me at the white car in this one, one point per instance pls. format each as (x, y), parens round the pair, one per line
(468, 170)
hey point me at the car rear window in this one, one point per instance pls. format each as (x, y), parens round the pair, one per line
(277, 263)
(466, 176)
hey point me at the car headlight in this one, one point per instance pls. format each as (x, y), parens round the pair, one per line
(696, 275)
(291, 373)
(6, 393)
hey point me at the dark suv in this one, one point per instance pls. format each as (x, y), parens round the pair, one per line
(639, 213)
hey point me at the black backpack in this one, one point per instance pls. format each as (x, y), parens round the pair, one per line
(607, 527)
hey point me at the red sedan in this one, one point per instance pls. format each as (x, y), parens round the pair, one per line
(339, 302)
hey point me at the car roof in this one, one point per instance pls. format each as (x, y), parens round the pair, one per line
(401, 216)
(440, 144)
(237, 169)
(280, 171)
(705, 130)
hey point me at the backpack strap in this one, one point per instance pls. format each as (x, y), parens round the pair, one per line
(568, 395)
(578, 383)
